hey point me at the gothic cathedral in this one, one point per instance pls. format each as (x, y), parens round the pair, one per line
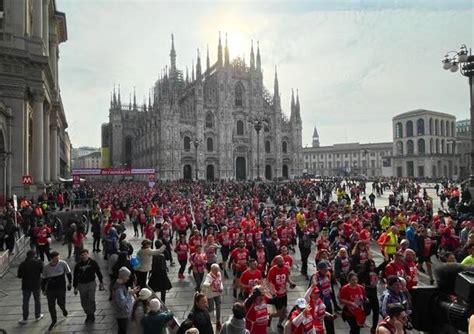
(218, 123)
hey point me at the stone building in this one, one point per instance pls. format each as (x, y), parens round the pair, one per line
(33, 140)
(91, 160)
(463, 147)
(205, 124)
(424, 145)
(348, 159)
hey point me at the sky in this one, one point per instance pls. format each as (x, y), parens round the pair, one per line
(356, 64)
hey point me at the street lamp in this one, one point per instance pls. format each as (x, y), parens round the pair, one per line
(258, 123)
(464, 60)
(196, 142)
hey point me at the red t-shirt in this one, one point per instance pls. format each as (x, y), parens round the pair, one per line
(181, 250)
(356, 295)
(256, 318)
(42, 234)
(278, 277)
(239, 258)
(250, 278)
(306, 326)
(395, 269)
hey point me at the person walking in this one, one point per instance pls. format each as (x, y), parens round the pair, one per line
(212, 287)
(159, 280)
(236, 324)
(84, 283)
(139, 310)
(199, 314)
(155, 321)
(53, 285)
(30, 273)
(123, 299)
(145, 256)
(42, 239)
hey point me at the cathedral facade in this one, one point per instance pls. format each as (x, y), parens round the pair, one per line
(218, 123)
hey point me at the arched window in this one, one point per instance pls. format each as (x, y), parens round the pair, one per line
(442, 128)
(210, 145)
(284, 147)
(442, 146)
(187, 143)
(420, 127)
(410, 147)
(431, 126)
(447, 129)
(399, 148)
(240, 128)
(437, 146)
(209, 120)
(239, 95)
(398, 130)
(267, 146)
(409, 129)
(431, 146)
(453, 132)
(421, 146)
(436, 127)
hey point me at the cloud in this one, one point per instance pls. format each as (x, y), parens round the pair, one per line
(356, 63)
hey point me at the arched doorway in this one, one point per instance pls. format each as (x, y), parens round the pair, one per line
(268, 172)
(210, 172)
(285, 172)
(240, 170)
(187, 172)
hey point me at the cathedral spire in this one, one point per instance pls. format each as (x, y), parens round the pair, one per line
(198, 65)
(252, 57)
(207, 59)
(315, 137)
(115, 97)
(149, 100)
(187, 75)
(130, 101)
(226, 52)
(172, 58)
(192, 71)
(219, 51)
(259, 63)
(292, 115)
(297, 106)
(134, 99)
(118, 98)
(276, 91)
(111, 99)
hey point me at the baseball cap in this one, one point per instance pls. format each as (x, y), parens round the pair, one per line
(301, 303)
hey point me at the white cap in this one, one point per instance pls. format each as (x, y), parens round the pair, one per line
(144, 294)
(301, 303)
(154, 305)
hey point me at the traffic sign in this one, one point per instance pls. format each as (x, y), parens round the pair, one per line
(27, 179)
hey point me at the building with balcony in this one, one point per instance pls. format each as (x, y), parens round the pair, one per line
(33, 137)
(424, 145)
(463, 147)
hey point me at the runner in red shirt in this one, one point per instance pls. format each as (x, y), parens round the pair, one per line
(256, 318)
(250, 277)
(181, 250)
(239, 258)
(279, 276)
(301, 318)
(224, 239)
(352, 296)
(411, 269)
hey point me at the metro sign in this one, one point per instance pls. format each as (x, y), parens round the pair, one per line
(27, 179)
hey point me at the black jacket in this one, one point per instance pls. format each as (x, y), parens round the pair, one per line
(30, 273)
(201, 320)
(84, 272)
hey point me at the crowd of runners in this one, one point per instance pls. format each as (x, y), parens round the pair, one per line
(256, 237)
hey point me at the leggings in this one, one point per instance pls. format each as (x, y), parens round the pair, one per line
(182, 266)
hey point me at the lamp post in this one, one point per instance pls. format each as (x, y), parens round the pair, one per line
(196, 142)
(464, 60)
(258, 123)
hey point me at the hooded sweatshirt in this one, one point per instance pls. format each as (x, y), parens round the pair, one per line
(234, 326)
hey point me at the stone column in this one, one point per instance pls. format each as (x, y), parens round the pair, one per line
(54, 153)
(47, 145)
(38, 18)
(38, 153)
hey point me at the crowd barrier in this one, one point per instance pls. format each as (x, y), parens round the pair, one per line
(6, 258)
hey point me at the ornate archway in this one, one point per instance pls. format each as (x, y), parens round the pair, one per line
(187, 172)
(240, 169)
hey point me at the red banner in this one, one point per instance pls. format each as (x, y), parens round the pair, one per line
(113, 171)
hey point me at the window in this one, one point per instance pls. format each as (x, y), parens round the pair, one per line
(284, 148)
(437, 145)
(442, 146)
(240, 128)
(210, 145)
(410, 147)
(431, 126)
(447, 128)
(345, 155)
(420, 127)
(267, 146)
(239, 95)
(442, 128)
(431, 146)
(453, 132)
(329, 156)
(409, 129)
(337, 155)
(436, 127)
(421, 146)
(187, 143)
(398, 130)
(372, 163)
(209, 120)
(399, 148)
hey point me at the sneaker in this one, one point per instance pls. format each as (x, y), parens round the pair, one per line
(38, 318)
(53, 324)
(22, 321)
(65, 313)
